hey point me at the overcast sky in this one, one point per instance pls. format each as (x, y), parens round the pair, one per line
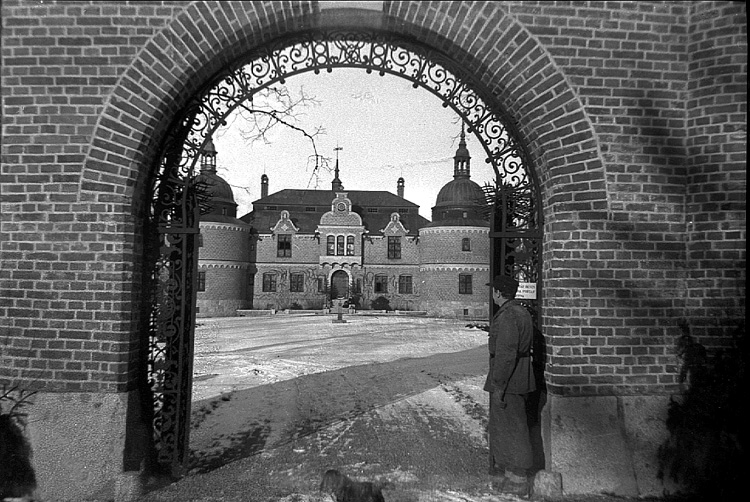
(385, 127)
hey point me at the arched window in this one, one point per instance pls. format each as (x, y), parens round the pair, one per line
(331, 245)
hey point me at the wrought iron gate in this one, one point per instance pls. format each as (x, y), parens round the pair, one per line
(175, 217)
(516, 240)
(175, 209)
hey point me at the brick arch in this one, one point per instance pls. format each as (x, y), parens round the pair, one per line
(521, 76)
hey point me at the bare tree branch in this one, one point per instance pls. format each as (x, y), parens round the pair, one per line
(276, 106)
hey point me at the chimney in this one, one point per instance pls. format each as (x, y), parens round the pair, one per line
(400, 187)
(263, 186)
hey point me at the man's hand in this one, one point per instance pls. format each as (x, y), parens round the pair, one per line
(501, 402)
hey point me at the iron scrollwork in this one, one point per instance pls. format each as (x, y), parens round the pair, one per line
(175, 208)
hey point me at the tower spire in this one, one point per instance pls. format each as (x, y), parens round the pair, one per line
(208, 158)
(336, 183)
(462, 159)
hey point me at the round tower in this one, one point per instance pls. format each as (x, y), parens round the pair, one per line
(223, 246)
(455, 246)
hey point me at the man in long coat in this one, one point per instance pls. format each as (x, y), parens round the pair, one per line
(509, 381)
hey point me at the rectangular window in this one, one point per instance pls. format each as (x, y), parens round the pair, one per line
(381, 283)
(464, 284)
(340, 245)
(394, 248)
(200, 240)
(465, 244)
(269, 283)
(201, 281)
(405, 285)
(350, 245)
(310, 209)
(296, 283)
(321, 285)
(358, 286)
(372, 209)
(330, 245)
(284, 246)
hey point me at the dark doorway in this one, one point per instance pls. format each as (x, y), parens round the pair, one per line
(339, 285)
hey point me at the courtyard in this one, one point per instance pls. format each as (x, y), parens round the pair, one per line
(277, 400)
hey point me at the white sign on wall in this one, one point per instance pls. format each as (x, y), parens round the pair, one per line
(526, 291)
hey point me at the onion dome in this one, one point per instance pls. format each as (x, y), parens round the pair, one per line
(460, 201)
(221, 198)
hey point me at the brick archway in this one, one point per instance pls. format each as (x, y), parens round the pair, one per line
(181, 59)
(125, 150)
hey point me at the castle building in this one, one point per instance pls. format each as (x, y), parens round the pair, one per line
(303, 249)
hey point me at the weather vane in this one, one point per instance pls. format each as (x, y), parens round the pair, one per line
(337, 151)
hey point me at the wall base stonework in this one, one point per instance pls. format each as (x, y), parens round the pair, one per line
(220, 308)
(455, 310)
(607, 444)
(78, 443)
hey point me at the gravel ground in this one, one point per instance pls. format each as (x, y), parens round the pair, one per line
(279, 400)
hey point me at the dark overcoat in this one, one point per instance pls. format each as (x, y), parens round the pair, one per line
(511, 335)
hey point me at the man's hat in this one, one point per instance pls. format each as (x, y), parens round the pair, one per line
(504, 284)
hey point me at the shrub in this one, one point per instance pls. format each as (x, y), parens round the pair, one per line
(706, 446)
(17, 478)
(381, 303)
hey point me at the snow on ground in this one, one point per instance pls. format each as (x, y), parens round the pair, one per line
(259, 380)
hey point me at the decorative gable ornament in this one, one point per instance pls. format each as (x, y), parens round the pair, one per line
(395, 227)
(284, 225)
(341, 213)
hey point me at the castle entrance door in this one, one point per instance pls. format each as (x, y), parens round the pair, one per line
(339, 285)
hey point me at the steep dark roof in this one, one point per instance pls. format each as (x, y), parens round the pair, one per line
(296, 201)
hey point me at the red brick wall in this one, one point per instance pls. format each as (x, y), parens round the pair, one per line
(226, 291)
(305, 249)
(633, 114)
(376, 251)
(224, 259)
(443, 245)
(716, 164)
(223, 241)
(440, 291)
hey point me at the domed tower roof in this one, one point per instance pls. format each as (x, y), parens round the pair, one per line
(459, 202)
(221, 200)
